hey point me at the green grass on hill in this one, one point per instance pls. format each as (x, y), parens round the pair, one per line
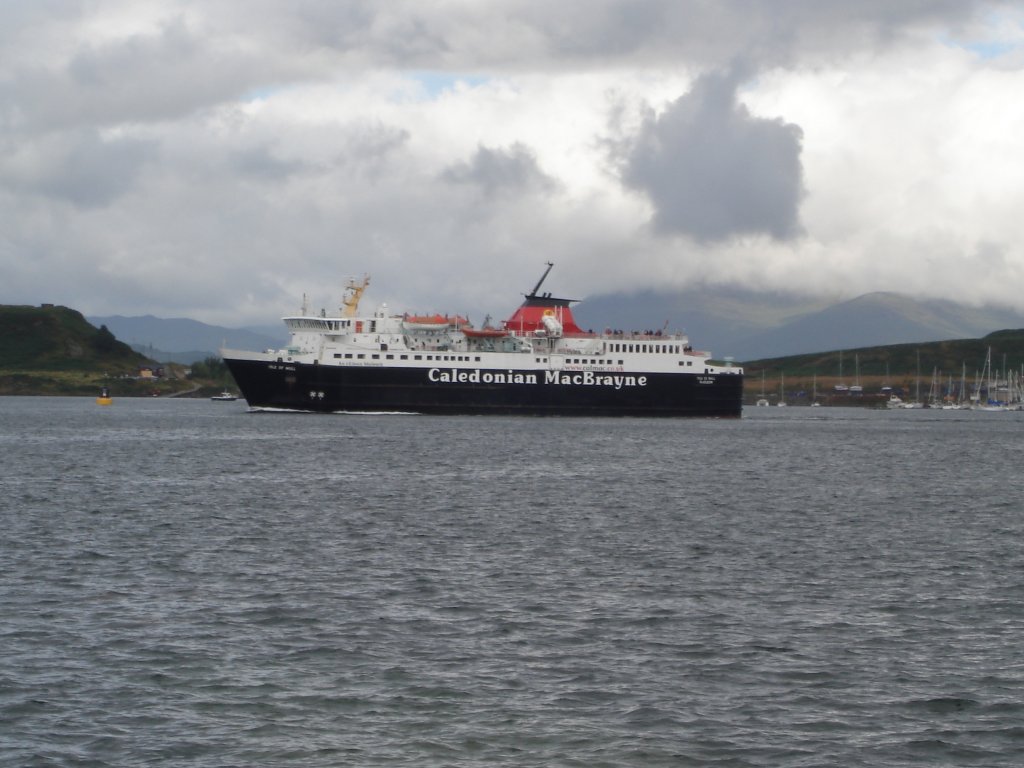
(899, 360)
(52, 338)
(53, 350)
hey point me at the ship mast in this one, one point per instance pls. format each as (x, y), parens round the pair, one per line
(543, 277)
(353, 293)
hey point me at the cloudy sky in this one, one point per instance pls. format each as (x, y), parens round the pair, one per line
(217, 159)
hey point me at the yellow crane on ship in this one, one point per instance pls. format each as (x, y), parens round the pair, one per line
(353, 293)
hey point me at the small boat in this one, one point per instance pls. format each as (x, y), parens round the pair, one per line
(433, 322)
(104, 398)
(425, 322)
(484, 333)
(225, 395)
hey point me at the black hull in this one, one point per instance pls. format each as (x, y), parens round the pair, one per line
(330, 389)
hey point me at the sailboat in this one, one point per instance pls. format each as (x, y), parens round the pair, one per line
(856, 389)
(762, 399)
(841, 387)
(814, 396)
(917, 395)
(782, 391)
(987, 379)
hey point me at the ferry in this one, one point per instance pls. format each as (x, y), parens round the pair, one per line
(538, 362)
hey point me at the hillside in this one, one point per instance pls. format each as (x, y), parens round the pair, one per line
(904, 367)
(53, 338)
(52, 350)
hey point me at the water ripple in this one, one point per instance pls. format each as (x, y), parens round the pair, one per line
(188, 584)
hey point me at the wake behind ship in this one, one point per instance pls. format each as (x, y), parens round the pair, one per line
(538, 362)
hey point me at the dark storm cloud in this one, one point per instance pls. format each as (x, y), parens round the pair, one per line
(499, 170)
(84, 169)
(161, 75)
(711, 34)
(712, 170)
(507, 35)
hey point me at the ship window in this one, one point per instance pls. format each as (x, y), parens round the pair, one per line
(389, 357)
(337, 355)
(403, 357)
(417, 357)
(477, 359)
(360, 357)
(348, 355)
(375, 357)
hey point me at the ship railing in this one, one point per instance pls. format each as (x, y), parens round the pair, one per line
(643, 335)
(612, 335)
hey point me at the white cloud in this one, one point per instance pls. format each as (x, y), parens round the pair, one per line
(218, 160)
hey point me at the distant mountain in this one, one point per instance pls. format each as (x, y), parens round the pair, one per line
(181, 340)
(748, 325)
(742, 324)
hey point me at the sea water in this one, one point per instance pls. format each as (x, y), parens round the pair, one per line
(186, 583)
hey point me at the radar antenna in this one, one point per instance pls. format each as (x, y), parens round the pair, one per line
(353, 293)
